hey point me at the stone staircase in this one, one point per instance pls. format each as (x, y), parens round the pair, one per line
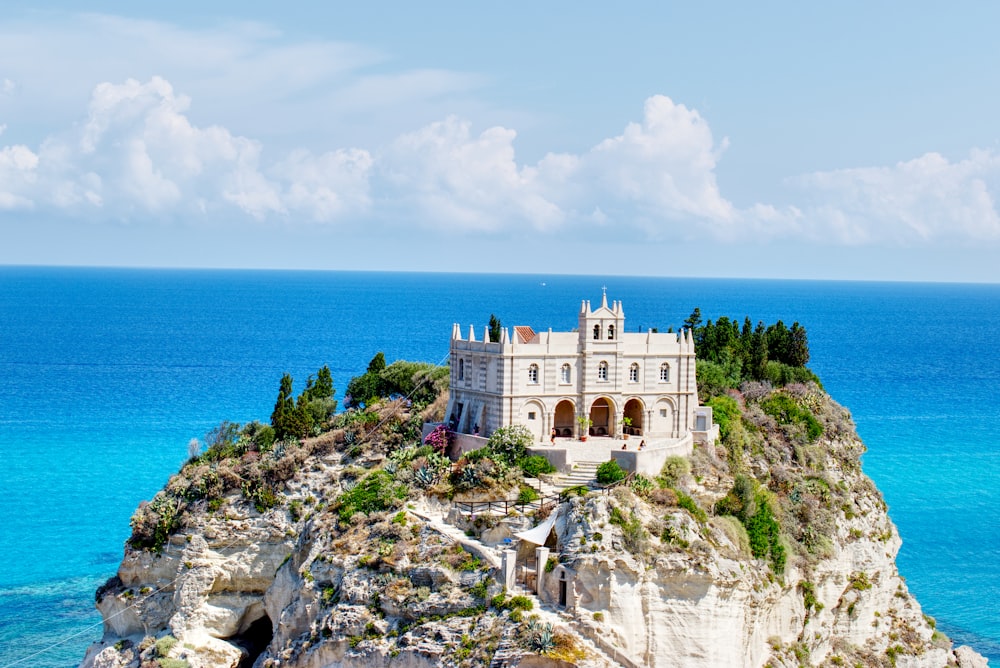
(583, 473)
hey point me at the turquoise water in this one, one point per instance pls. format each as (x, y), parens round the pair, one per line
(108, 373)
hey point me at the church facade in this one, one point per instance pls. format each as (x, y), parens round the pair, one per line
(598, 381)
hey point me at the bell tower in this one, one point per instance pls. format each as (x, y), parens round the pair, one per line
(601, 328)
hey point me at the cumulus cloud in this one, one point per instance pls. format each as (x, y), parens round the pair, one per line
(927, 199)
(463, 181)
(138, 152)
(657, 172)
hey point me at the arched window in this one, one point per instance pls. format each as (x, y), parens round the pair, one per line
(597, 332)
(565, 373)
(602, 371)
(611, 332)
(664, 373)
(533, 374)
(633, 373)
(461, 369)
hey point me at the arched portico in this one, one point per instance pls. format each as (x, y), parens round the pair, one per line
(634, 411)
(602, 415)
(564, 418)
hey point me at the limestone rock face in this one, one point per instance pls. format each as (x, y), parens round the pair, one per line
(645, 581)
(698, 599)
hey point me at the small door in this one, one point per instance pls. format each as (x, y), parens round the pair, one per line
(562, 592)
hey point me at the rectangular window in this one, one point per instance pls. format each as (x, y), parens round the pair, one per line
(663, 412)
(531, 415)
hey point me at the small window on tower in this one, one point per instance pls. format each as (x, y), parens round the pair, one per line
(565, 373)
(664, 373)
(533, 374)
(611, 332)
(633, 373)
(602, 371)
(597, 332)
(461, 369)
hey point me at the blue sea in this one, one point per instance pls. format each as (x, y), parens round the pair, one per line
(106, 374)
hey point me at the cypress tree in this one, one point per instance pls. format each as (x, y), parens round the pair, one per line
(758, 352)
(377, 365)
(283, 407)
(693, 321)
(798, 352)
(323, 389)
(494, 328)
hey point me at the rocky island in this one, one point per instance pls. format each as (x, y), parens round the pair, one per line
(371, 538)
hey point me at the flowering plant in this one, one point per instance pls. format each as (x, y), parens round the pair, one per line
(439, 439)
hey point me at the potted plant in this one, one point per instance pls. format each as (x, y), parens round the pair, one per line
(585, 423)
(626, 426)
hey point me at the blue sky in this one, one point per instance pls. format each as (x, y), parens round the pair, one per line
(856, 140)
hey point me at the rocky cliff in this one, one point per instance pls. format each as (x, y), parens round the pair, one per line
(771, 548)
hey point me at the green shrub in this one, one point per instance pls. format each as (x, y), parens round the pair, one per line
(609, 472)
(782, 374)
(527, 494)
(809, 599)
(725, 411)
(714, 379)
(633, 534)
(785, 410)
(519, 603)
(536, 464)
(374, 493)
(687, 503)
(642, 486)
(675, 469)
(860, 581)
(764, 532)
(154, 522)
(164, 645)
(481, 589)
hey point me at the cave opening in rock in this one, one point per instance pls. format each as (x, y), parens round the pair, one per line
(253, 641)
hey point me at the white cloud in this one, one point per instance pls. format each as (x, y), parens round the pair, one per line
(656, 174)
(326, 186)
(665, 165)
(925, 200)
(456, 180)
(138, 154)
(18, 173)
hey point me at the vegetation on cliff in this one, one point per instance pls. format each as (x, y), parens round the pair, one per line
(776, 498)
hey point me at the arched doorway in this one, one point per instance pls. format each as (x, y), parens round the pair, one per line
(634, 412)
(564, 420)
(601, 413)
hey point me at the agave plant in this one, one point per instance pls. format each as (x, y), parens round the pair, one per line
(424, 477)
(542, 640)
(469, 478)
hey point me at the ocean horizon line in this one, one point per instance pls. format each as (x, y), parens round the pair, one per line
(422, 272)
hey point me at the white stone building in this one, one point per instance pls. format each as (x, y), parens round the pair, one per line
(553, 380)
